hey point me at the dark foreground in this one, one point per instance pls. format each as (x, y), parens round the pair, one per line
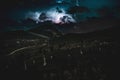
(93, 56)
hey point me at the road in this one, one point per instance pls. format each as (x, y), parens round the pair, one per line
(39, 35)
(28, 47)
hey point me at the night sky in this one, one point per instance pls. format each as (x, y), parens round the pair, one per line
(60, 39)
(18, 9)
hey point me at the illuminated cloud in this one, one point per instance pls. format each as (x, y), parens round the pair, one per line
(52, 15)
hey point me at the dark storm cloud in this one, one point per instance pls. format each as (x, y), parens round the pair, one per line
(17, 8)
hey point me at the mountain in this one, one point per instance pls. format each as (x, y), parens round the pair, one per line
(73, 54)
